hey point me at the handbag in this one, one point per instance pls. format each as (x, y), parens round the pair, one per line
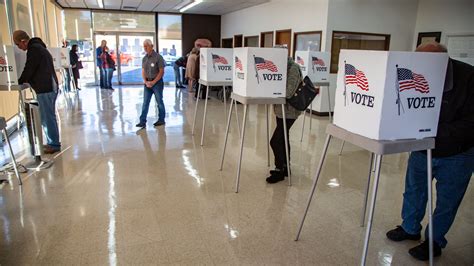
(304, 95)
(79, 65)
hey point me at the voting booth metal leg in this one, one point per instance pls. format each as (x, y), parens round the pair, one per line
(227, 133)
(364, 211)
(12, 155)
(268, 135)
(302, 128)
(246, 107)
(342, 147)
(315, 182)
(329, 104)
(430, 205)
(378, 163)
(196, 108)
(237, 117)
(310, 116)
(225, 101)
(287, 151)
(204, 118)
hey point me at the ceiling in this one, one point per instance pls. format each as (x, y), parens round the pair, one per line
(209, 7)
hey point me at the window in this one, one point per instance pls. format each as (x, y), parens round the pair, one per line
(169, 37)
(357, 41)
(123, 21)
(238, 40)
(251, 41)
(266, 39)
(77, 24)
(226, 43)
(307, 41)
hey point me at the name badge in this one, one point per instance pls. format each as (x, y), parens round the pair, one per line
(152, 64)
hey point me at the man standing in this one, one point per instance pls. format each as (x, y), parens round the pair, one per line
(39, 73)
(453, 162)
(181, 62)
(153, 68)
(102, 74)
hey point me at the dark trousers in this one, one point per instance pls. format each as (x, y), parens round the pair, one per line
(278, 142)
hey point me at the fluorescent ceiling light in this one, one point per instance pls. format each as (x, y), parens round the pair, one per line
(192, 4)
(100, 3)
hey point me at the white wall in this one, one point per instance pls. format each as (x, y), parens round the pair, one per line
(449, 17)
(297, 15)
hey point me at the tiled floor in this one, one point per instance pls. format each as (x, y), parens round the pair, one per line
(115, 196)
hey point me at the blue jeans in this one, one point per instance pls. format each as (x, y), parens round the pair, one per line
(102, 77)
(452, 174)
(157, 90)
(109, 72)
(47, 108)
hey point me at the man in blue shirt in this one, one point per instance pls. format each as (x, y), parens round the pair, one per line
(98, 52)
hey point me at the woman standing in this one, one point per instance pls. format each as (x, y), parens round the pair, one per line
(75, 65)
(108, 65)
(191, 68)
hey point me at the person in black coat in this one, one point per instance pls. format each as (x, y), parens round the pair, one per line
(452, 163)
(75, 65)
(40, 74)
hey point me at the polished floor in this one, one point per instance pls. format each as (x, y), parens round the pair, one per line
(118, 196)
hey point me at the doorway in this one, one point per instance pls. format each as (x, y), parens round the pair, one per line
(126, 49)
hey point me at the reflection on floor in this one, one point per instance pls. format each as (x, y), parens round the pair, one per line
(157, 197)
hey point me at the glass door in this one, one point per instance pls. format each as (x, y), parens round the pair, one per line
(131, 54)
(126, 49)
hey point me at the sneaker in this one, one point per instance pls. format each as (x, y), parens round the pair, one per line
(422, 251)
(50, 150)
(159, 123)
(276, 177)
(140, 125)
(399, 234)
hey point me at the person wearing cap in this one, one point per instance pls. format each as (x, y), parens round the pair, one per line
(452, 162)
(153, 69)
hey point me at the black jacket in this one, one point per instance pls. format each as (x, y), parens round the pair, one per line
(39, 69)
(456, 121)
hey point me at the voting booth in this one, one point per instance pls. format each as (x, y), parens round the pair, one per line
(313, 64)
(260, 72)
(56, 54)
(8, 70)
(385, 95)
(64, 54)
(215, 64)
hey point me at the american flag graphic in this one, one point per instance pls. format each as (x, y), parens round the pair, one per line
(299, 60)
(2, 61)
(238, 64)
(317, 61)
(355, 76)
(408, 80)
(261, 64)
(219, 59)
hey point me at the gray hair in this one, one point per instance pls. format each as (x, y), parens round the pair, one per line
(148, 42)
(284, 46)
(432, 46)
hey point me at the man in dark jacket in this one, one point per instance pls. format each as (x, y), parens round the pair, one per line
(40, 74)
(181, 62)
(453, 162)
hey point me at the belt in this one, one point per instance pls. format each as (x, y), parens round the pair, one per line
(147, 79)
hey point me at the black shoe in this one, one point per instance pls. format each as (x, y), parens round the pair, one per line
(277, 171)
(399, 234)
(276, 177)
(422, 251)
(140, 125)
(159, 123)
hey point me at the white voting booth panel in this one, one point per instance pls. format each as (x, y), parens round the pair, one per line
(215, 64)
(64, 53)
(260, 72)
(8, 70)
(389, 95)
(56, 54)
(313, 64)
